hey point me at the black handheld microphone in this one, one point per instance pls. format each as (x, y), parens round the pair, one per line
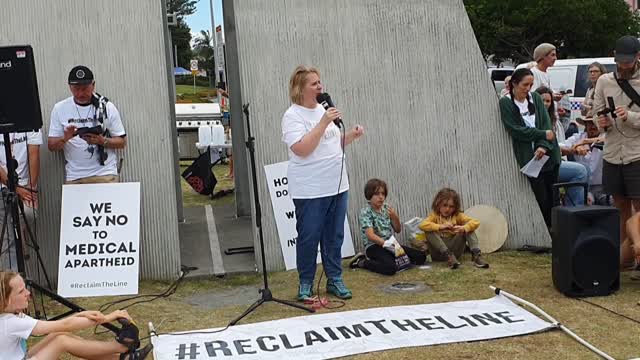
(325, 100)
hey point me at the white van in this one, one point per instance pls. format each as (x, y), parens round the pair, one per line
(573, 74)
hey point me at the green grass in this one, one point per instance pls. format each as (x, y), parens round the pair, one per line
(201, 94)
(188, 89)
(190, 198)
(525, 275)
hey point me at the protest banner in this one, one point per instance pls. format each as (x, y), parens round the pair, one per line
(333, 335)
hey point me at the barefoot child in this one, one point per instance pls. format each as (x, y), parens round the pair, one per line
(448, 230)
(378, 222)
(16, 328)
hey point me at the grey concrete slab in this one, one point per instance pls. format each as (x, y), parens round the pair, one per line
(234, 232)
(194, 242)
(207, 232)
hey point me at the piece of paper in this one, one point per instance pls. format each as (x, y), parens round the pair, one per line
(533, 167)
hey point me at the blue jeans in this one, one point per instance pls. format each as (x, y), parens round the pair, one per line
(571, 171)
(320, 221)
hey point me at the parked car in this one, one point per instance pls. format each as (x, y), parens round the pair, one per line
(498, 74)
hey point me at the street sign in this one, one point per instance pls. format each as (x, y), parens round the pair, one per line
(194, 65)
(220, 57)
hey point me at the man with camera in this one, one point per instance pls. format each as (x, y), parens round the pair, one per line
(88, 128)
(617, 105)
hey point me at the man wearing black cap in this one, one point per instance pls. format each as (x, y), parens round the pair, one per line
(88, 128)
(621, 168)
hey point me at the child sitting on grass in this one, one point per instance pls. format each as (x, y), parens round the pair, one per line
(16, 328)
(448, 230)
(378, 222)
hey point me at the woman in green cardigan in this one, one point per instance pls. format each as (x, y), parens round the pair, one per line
(527, 121)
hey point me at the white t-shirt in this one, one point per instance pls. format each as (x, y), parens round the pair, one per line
(82, 158)
(14, 332)
(540, 78)
(523, 107)
(19, 142)
(318, 174)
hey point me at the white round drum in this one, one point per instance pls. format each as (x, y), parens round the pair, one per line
(493, 229)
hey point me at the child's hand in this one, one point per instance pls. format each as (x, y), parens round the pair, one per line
(446, 226)
(458, 229)
(392, 212)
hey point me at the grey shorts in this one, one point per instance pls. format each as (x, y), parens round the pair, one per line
(621, 179)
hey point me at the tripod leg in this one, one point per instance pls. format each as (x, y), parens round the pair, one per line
(2, 250)
(34, 244)
(247, 312)
(295, 305)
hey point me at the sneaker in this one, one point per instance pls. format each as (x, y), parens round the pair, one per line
(478, 262)
(356, 261)
(452, 262)
(139, 354)
(305, 291)
(338, 288)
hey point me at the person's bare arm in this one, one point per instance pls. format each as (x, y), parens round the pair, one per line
(33, 152)
(79, 321)
(57, 143)
(371, 235)
(310, 140)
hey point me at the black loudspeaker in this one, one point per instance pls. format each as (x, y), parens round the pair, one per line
(586, 250)
(19, 99)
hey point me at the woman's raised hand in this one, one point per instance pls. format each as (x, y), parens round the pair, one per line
(330, 115)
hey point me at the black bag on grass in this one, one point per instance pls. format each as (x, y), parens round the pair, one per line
(199, 175)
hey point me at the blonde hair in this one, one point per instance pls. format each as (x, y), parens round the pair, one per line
(298, 80)
(5, 287)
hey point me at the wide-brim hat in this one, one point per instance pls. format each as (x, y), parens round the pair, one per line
(493, 230)
(584, 121)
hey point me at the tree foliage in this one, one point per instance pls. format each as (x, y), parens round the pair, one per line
(203, 50)
(181, 34)
(586, 28)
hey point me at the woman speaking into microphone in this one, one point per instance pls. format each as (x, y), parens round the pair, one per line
(318, 182)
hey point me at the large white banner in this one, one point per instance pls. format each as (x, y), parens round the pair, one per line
(345, 333)
(285, 214)
(99, 240)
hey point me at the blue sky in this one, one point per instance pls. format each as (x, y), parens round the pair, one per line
(201, 19)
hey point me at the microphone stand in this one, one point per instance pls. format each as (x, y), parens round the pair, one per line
(265, 292)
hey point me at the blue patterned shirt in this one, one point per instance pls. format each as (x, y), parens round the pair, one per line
(379, 221)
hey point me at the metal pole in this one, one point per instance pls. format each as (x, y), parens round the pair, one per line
(552, 320)
(213, 43)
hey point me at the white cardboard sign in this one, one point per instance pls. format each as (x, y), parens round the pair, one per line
(285, 215)
(99, 240)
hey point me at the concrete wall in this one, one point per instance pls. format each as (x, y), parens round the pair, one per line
(412, 74)
(124, 43)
